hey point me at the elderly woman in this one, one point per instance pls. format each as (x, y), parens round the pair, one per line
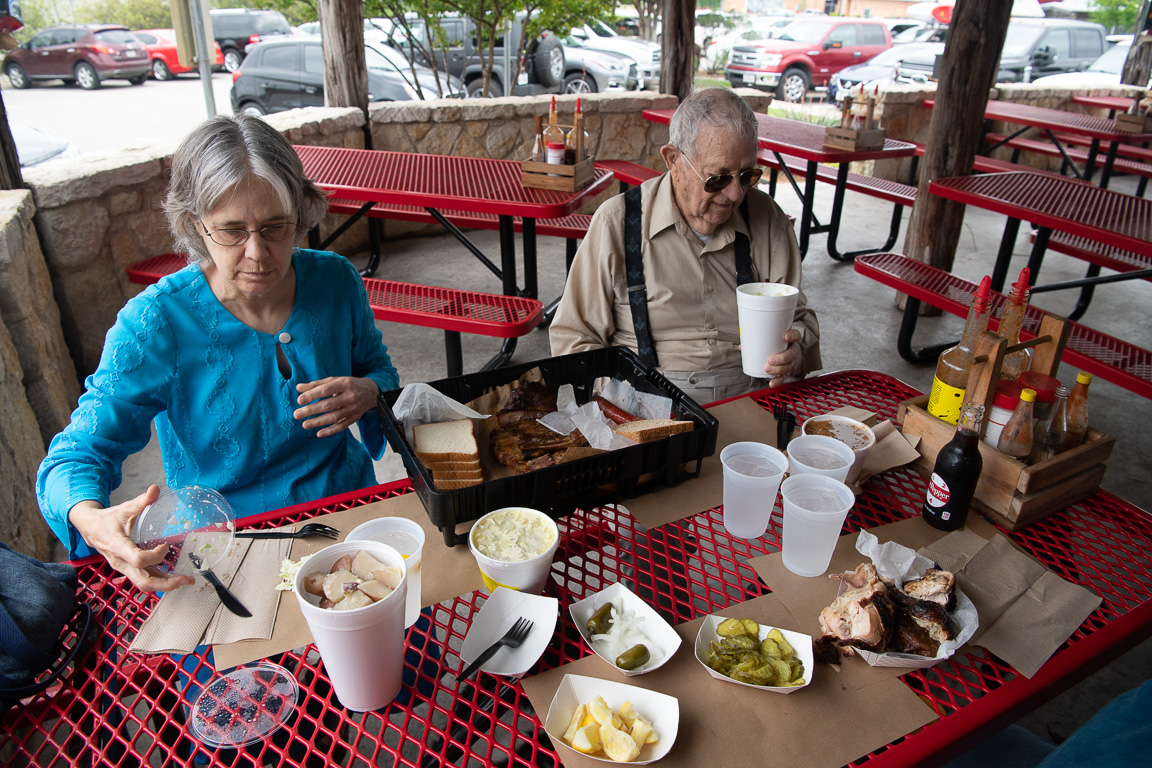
(252, 363)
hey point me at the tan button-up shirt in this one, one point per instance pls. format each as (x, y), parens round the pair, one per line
(691, 285)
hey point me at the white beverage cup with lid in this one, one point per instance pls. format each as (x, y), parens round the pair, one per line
(363, 648)
(406, 537)
(752, 474)
(765, 311)
(815, 507)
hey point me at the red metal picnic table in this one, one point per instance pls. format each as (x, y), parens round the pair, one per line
(440, 182)
(1052, 121)
(122, 709)
(806, 141)
(1113, 104)
(1061, 203)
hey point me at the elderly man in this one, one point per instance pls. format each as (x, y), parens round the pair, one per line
(699, 230)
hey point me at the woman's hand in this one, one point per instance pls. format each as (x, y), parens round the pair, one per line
(106, 530)
(336, 403)
(786, 364)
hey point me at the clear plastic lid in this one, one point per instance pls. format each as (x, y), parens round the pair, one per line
(244, 705)
(192, 517)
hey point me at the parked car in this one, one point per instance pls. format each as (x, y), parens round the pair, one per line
(87, 54)
(923, 34)
(288, 74)
(235, 29)
(598, 36)
(1036, 47)
(882, 66)
(544, 68)
(37, 148)
(589, 71)
(806, 53)
(1102, 73)
(161, 45)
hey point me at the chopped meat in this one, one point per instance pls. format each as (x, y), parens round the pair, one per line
(931, 616)
(910, 637)
(529, 445)
(936, 585)
(528, 402)
(825, 650)
(860, 617)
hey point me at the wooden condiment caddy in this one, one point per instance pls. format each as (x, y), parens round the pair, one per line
(566, 178)
(1013, 493)
(1133, 123)
(844, 136)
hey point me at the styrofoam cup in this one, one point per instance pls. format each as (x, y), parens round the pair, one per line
(814, 510)
(765, 311)
(406, 537)
(819, 455)
(752, 473)
(528, 575)
(855, 434)
(363, 648)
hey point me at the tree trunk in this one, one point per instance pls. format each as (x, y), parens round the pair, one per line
(968, 71)
(345, 69)
(10, 177)
(678, 48)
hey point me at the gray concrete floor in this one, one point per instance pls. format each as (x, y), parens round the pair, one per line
(859, 324)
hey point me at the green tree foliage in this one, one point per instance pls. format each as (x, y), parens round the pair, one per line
(296, 11)
(134, 14)
(1117, 14)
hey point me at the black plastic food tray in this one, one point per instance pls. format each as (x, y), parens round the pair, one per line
(582, 483)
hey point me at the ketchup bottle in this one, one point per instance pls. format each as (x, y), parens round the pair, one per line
(956, 473)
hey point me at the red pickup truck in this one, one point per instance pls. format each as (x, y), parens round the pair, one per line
(804, 54)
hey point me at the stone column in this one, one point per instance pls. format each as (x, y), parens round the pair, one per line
(33, 319)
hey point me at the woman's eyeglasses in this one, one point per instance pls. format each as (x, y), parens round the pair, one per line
(749, 177)
(273, 233)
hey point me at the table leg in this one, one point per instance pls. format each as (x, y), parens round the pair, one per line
(1004, 257)
(1090, 165)
(1036, 259)
(904, 340)
(834, 223)
(809, 207)
(454, 353)
(528, 236)
(1109, 162)
(1067, 160)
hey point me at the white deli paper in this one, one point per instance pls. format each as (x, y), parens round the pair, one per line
(901, 564)
(587, 418)
(643, 404)
(421, 404)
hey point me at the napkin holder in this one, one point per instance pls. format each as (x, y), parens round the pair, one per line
(1133, 123)
(564, 178)
(865, 135)
(1010, 492)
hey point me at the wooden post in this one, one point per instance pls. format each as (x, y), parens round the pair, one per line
(345, 68)
(678, 48)
(971, 56)
(10, 176)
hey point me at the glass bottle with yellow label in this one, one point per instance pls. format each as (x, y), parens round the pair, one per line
(951, 377)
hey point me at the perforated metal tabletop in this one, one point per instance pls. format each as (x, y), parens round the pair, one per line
(123, 709)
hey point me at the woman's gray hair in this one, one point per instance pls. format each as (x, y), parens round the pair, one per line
(719, 107)
(221, 153)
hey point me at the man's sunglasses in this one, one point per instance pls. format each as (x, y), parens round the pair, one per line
(749, 177)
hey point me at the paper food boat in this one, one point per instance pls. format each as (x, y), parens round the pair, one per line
(500, 611)
(654, 627)
(801, 645)
(662, 710)
(964, 619)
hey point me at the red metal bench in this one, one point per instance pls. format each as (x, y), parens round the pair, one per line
(628, 172)
(451, 310)
(1101, 355)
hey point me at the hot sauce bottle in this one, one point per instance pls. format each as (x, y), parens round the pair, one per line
(951, 377)
(1016, 437)
(955, 474)
(1078, 411)
(554, 138)
(1011, 321)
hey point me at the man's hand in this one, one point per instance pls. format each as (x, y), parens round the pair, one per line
(336, 403)
(106, 530)
(785, 364)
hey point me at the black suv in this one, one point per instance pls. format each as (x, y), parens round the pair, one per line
(544, 67)
(237, 28)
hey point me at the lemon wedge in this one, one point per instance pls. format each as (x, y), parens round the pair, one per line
(587, 740)
(575, 723)
(600, 710)
(617, 744)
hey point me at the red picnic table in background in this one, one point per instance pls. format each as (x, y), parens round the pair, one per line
(124, 709)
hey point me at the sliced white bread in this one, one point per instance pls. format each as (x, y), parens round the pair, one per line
(453, 466)
(437, 475)
(647, 430)
(452, 485)
(445, 441)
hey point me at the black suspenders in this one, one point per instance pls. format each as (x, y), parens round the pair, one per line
(634, 268)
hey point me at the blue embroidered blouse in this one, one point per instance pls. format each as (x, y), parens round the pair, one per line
(222, 408)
